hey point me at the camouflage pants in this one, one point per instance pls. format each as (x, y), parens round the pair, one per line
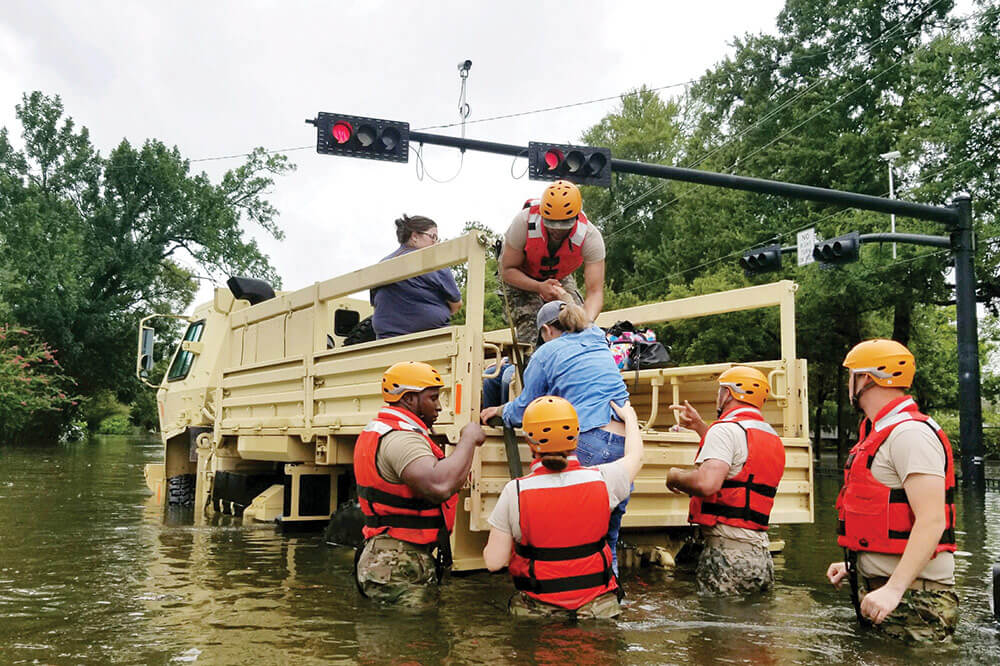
(734, 571)
(922, 616)
(396, 572)
(603, 607)
(524, 307)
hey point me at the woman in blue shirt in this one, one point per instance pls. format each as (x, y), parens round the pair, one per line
(419, 303)
(575, 363)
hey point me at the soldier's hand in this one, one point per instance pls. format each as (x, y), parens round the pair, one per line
(474, 433)
(877, 605)
(688, 415)
(551, 290)
(672, 475)
(836, 573)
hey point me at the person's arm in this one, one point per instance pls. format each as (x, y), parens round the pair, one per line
(633, 439)
(437, 480)
(496, 554)
(593, 280)
(455, 306)
(925, 493)
(535, 385)
(704, 480)
(690, 418)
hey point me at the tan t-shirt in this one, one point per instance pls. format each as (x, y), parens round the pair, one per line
(911, 448)
(397, 450)
(506, 515)
(593, 242)
(728, 442)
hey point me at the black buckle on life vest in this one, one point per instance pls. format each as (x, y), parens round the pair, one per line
(737, 512)
(565, 584)
(560, 553)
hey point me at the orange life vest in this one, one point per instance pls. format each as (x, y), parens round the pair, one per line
(746, 499)
(392, 508)
(872, 516)
(563, 558)
(539, 263)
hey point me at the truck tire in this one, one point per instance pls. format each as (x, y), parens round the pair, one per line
(180, 490)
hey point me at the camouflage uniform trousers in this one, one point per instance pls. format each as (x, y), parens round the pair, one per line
(922, 616)
(734, 568)
(524, 307)
(603, 607)
(397, 572)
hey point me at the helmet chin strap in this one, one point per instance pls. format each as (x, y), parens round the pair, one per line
(856, 395)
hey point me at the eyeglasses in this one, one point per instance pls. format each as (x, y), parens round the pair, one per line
(433, 237)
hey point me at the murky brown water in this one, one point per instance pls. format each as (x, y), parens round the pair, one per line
(91, 572)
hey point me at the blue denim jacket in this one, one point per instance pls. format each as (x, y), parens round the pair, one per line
(575, 366)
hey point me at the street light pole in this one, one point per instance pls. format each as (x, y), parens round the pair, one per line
(891, 157)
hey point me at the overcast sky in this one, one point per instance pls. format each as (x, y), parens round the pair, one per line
(219, 78)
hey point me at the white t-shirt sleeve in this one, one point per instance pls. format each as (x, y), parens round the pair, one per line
(505, 516)
(616, 479)
(593, 245)
(517, 232)
(726, 442)
(911, 448)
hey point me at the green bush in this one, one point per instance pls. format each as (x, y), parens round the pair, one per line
(32, 384)
(115, 425)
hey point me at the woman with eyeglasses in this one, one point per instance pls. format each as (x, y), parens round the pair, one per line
(419, 303)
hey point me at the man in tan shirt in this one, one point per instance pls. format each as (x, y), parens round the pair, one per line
(896, 510)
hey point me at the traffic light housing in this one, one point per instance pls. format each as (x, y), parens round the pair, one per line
(840, 250)
(579, 164)
(761, 260)
(356, 136)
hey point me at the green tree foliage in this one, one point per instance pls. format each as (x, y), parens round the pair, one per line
(816, 103)
(33, 386)
(90, 243)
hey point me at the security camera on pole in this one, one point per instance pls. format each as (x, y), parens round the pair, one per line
(891, 157)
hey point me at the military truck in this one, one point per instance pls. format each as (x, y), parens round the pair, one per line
(262, 402)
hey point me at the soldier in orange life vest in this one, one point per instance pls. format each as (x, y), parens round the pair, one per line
(545, 244)
(551, 525)
(739, 465)
(896, 510)
(407, 488)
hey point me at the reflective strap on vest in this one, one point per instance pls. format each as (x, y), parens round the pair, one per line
(375, 495)
(405, 522)
(737, 512)
(567, 584)
(558, 554)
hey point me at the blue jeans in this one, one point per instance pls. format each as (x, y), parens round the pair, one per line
(496, 389)
(595, 447)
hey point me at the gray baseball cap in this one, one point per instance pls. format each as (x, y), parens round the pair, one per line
(548, 313)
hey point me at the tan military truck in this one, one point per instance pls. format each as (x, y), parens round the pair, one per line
(262, 402)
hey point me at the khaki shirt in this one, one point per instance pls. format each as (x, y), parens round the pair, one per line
(593, 242)
(506, 515)
(397, 450)
(728, 442)
(911, 448)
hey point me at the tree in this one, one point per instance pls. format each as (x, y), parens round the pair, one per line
(88, 243)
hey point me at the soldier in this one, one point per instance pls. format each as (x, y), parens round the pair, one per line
(407, 488)
(739, 464)
(896, 510)
(551, 526)
(546, 242)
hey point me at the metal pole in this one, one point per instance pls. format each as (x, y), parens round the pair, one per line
(892, 216)
(970, 408)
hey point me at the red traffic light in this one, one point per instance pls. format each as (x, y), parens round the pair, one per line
(553, 158)
(342, 131)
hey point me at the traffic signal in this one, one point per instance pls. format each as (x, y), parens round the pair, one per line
(579, 164)
(839, 250)
(354, 136)
(761, 260)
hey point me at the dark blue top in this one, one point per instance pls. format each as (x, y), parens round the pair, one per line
(417, 304)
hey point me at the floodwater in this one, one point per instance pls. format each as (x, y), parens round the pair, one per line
(92, 572)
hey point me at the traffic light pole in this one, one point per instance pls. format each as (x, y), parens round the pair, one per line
(957, 217)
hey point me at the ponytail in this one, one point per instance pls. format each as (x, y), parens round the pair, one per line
(406, 226)
(572, 319)
(554, 461)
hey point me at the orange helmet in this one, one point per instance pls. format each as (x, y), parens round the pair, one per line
(551, 425)
(888, 362)
(746, 385)
(408, 376)
(561, 203)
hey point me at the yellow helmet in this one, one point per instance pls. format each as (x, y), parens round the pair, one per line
(746, 385)
(888, 362)
(561, 203)
(551, 425)
(408, 376)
